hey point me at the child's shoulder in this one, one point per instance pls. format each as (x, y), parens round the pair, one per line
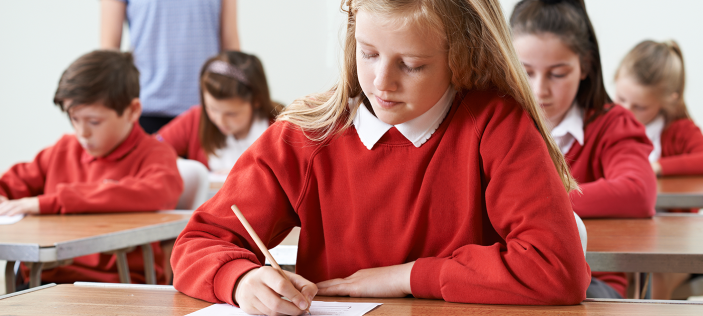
(684, 125)
(487, 105)
(614, 115)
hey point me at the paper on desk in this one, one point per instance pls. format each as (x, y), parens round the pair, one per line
(7, 220)
(317, 309)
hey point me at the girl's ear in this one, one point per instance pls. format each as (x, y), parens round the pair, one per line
(673, 97)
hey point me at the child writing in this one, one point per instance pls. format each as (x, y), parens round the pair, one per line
(236, 109)
(650, 82)
(109, 165)
(428, 170)
(604, 144)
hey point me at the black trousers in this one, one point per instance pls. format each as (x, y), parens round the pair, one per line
(152, 124)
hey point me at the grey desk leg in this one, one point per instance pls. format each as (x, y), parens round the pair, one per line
(638, 286)
(149, 272)
(35, 269)
(10, 277)
(122, 266)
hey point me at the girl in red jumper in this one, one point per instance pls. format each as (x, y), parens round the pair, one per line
(650, 82)
(238, 109)
(428, 170)
(604, 144)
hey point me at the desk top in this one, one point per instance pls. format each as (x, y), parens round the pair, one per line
(73, 300)
(91, 233)
(680, 192)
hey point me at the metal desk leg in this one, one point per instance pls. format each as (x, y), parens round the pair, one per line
(149, 272)
(35, 269)
(10, 277)
(122, 266)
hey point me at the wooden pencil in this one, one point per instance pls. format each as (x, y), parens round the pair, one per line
(261, 245)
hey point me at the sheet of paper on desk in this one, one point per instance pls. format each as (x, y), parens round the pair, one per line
(7, 220)
(317, 309)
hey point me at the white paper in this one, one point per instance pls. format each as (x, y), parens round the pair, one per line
(317, 309)
(217, 177)
(7, 220)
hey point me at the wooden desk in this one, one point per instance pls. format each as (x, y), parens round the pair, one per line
(680, 192)
(74, 300)
(52, 238)
(666, 243)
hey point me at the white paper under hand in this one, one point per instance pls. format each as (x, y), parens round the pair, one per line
(317, 309)
(7, 220)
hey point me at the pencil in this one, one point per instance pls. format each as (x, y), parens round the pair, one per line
(261, 245)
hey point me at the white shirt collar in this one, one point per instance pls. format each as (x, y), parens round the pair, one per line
(654, 132)
(418, 130)
(570, 129)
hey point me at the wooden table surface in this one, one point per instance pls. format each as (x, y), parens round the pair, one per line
(73, 300)
(659, 244)
(47, 230)
(680, 192)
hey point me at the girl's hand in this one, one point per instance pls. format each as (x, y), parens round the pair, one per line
(393, 281)
(657, 168)
(259, 292)
(29, 205)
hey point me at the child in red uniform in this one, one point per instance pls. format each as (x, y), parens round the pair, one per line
(428, 170)
(650, 82)
(109, 165)
(604, 144)
(238, 109)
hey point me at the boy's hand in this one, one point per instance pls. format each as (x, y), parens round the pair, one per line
(393, 281)
(29, 205)
(259, 291)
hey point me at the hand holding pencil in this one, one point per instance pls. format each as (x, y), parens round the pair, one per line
(259, 291)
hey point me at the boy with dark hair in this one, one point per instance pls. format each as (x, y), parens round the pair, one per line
(109, 165)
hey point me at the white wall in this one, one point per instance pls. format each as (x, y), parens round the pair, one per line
(298, 42)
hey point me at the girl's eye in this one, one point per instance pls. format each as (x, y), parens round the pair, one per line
(411, 69)
(94, 123)
(367, 56)
(558, 75)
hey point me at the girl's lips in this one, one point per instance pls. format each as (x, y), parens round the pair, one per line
(386, 104)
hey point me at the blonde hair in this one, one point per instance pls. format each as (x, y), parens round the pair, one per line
(480, 54)
(659, 66)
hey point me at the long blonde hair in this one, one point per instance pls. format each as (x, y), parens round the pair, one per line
(480, 54)
(659, 66)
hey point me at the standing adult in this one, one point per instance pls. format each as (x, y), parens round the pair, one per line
(170, 41)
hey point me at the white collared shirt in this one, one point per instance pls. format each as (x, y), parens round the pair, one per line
(225, 157)
(418, 130)
(570, 129)
(654, 132)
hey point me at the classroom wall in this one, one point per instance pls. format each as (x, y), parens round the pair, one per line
(298, 42)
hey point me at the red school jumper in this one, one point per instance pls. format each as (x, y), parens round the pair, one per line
(479, 207)
(139, 175)
(682, 149)
(614, 173)
(182, 134)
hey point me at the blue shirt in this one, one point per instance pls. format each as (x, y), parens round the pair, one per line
(171, 40)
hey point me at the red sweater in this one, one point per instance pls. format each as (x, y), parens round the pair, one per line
(139, 175)
(182, 134)
(479, 207)
(614, 173)
(682, 149)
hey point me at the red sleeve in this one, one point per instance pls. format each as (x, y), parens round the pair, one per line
(26, 179)
(629, 187)
(541, 260)
(685, 156)
(156, 186)
(212, 251)
(179, 131)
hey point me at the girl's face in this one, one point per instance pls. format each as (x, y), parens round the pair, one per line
(232, 116)
(644, 103)
(402, 70)
(554, 72)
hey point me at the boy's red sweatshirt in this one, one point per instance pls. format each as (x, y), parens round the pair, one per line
(182, 134)
(479, 207)
(682, 149)
(139, 175)
(614, 173)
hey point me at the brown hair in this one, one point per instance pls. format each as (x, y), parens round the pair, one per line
(480, 54)
(568, 20)
(105, 76)
(660, 66)
(250, 85)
